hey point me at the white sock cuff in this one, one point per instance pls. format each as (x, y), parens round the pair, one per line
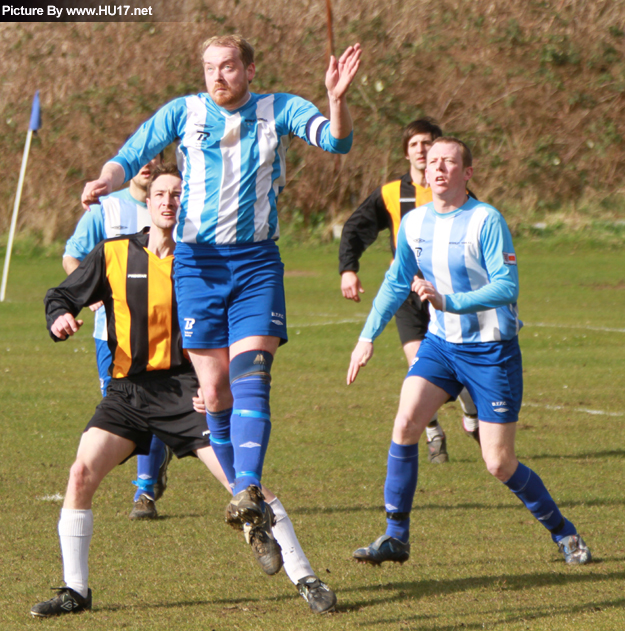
(470, 423)
(278, 509)
(76, 523)
(434, 432)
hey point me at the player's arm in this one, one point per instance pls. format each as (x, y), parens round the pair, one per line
(88, 233)
(70, 264)
(359, 232)
(84, 286)
(111, 178)
(339, 76)
(390, 297)
(146, 143)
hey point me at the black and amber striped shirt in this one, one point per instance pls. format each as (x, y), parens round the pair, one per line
(384, 208)
(137, 289)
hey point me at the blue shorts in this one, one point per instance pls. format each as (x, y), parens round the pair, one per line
(229, 292)
(491, 371)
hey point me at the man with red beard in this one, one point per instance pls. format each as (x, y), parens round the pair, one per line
(228, 272)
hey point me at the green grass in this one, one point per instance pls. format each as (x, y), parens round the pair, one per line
(478, 558)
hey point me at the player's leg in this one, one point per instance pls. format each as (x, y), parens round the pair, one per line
(212, 369)
(315, 592)
(497, 441)
(496, 385)
(257, 326)
(470, 422)
(418, 401)
(151, 469)
(151, 480)
(412, 320)
(98, 453)
(250, 383)
(318, 595)
(104, 359)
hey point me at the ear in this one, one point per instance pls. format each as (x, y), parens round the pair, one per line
(251, 72)
(468, 174)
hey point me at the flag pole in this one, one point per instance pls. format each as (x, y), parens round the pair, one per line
(35, 123)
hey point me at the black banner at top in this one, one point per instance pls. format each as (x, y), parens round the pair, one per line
(88, 11)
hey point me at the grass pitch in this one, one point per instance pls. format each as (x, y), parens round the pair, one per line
(479, 560)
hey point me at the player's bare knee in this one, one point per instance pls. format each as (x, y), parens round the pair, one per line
(499, 466)
(404, 429)
(216, 393)
(80, 479)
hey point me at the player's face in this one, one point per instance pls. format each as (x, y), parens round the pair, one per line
(445, 173)
(417, 150)
(141, 179)
(227, 79)
(164, 201)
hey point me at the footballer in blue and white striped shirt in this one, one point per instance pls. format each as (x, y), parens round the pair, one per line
(464, 251)
(229, 277)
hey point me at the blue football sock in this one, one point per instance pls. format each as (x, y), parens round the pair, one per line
(219, 426)
(250, 424)
(529, 488)
(147, 468)
(399, 488)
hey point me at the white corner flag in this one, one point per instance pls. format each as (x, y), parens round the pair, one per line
(35, 124)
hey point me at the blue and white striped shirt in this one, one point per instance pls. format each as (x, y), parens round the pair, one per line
(469, 257)
(117, 214)
(233, 162)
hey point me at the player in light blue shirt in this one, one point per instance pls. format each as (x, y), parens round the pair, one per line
(229, 276)
(121, 212)
(464, 251)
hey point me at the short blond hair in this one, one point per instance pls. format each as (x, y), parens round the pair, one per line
(246, 50)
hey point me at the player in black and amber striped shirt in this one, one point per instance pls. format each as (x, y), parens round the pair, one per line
(136, 287)
(151, 392)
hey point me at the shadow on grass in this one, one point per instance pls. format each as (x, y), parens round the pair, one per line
(231, 604)
(420, 589)
(518, 616)
(331, 510)
(503, 582)
(611, 453)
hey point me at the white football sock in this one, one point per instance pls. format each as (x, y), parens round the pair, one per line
(75, 532)
(466, 402)
(296, 564)
(436, 431)
(470, 423)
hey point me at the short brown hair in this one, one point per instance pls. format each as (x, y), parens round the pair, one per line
(167, 168)
(246, 50)
(467, 157)
(425, 125)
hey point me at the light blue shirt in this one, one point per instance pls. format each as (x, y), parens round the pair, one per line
(469, 257)
(117, 214)
(233, 163)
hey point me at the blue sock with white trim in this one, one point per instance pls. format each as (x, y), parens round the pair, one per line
(219, 427)
(250, 424)
(147, 468)
(402, 473)
(529, 488)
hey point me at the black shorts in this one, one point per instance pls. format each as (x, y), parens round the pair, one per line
(136, 408)
(412, 319)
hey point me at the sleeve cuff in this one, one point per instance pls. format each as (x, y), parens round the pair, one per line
(124, 165)
(342, 145)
